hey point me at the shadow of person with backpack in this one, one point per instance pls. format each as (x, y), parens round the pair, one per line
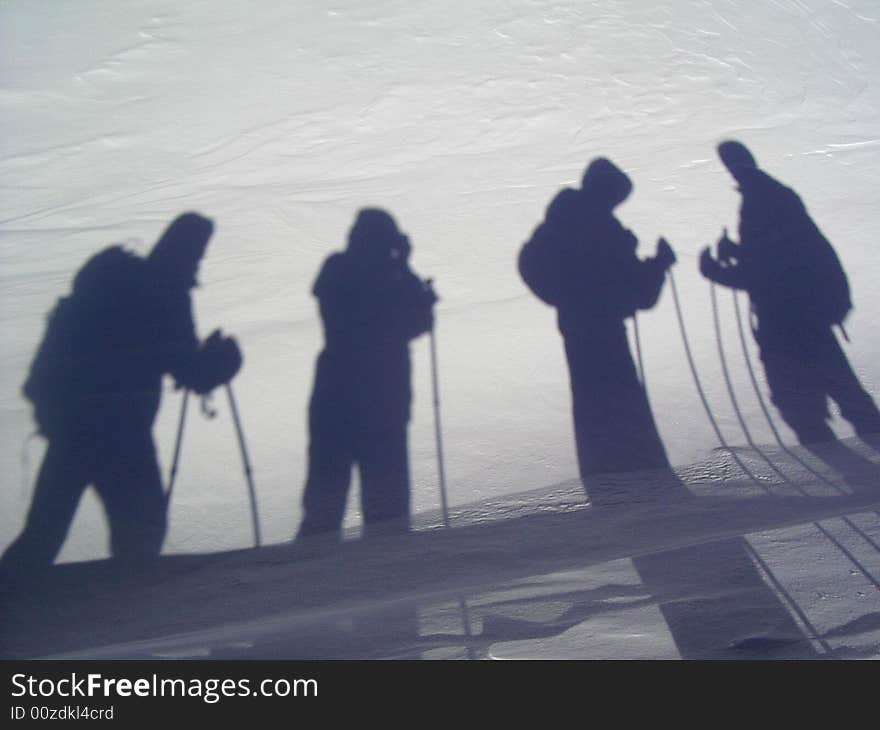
(582, 261)
(95, 385)
(798, 292)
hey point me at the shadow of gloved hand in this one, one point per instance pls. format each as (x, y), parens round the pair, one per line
(223, 357)
(665, 254)
(727, 249)
(708, 265)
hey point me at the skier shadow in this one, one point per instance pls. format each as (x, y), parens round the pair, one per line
(798, 293)
(372, 305)
(95, 384)
(582, 261)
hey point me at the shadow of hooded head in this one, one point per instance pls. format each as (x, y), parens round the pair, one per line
(180, 249)
(372, 305)
(96, 386)
(375, 237)
(737, 158)
(582, 260)
(798, 292)
(604, 185)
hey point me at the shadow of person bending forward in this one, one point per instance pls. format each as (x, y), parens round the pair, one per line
(95, 385)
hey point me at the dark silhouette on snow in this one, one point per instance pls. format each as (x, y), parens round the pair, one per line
(372, 305)
(95, 385)
(582, 261)
(717, 604)
(798, 293)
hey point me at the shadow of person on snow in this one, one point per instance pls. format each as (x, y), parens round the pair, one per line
(798, 291)
(582, 261)
(372, 305)
(96, 384)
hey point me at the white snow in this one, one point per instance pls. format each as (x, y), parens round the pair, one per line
(281, 120)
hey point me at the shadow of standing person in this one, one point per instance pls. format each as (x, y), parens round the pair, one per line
(372, 305)
(96, 384)
(798, 292)
(582, 261)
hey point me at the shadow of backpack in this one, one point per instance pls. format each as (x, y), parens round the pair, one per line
(60, 368)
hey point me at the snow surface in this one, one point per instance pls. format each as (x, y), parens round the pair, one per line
(280, 121)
